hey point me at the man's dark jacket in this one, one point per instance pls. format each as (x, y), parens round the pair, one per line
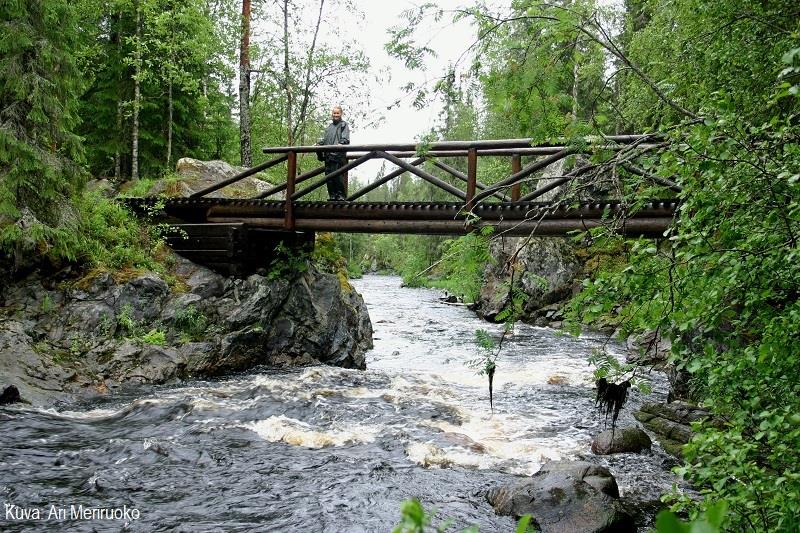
(336, 134)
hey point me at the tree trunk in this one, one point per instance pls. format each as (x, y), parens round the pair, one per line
(575, 69)
(244, 89)
(287, 74)
(169, 124)
(136, 99)
(300, 126)
(117, 41)
(117, 151)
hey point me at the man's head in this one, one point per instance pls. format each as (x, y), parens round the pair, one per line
(336, 114)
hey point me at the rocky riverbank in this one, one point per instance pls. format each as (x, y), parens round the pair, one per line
(63, 338)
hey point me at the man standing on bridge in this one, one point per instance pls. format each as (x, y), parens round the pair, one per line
(337, 132)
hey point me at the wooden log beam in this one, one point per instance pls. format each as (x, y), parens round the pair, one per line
(335, 173)
(516, 166)
(249, 172)
(424, 175)
(525, 172)
(388, 177)
(463, 177)
(508, 152)
(291, 175)
(300, 179)
(652, 227)
(454, 145)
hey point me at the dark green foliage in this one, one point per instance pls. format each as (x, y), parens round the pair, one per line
(710, 521)
(183, 60)
(111, 237)
(191, 322)
(461, 267)
(724, 285)
(287, 263)
(39, 153)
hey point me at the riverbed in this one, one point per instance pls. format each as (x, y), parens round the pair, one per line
(323, 448)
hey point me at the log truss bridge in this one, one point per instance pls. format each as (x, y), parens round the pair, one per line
(224, 231)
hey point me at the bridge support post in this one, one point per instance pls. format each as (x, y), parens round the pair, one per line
(472, 176)
(516, 166)
(291, 175)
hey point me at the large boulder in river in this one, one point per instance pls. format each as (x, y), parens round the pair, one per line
(92, 335)
(546, 268)
(193, 175)
(566, 497)
(621, 440)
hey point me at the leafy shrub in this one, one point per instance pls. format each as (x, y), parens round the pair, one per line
(461, 268)
(155, 336)
(191, 322)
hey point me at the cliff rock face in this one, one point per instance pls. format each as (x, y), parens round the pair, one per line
(546, 268)
(90, 337)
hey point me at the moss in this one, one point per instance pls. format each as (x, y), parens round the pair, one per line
(85, 281)
(344, 281)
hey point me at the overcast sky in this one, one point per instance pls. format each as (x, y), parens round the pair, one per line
(405, 123)
(402, 123)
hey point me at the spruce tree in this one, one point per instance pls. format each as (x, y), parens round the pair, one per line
(39, 153)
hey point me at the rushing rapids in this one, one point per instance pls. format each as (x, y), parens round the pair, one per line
(322, 448)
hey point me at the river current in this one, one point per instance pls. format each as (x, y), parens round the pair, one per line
(325, 449)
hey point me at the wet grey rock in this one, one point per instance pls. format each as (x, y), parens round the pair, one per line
(56, 344)
(143, 295)
(175, 306)
(156, 364)
(621, 440)
(10, 395)
(671, 423)
(565, 497)
(35, 375)
(254, 302)
(549, 267)
(648, 348)
(202, 281)
(88, 316)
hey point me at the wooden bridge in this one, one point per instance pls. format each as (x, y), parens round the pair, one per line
(221, 231)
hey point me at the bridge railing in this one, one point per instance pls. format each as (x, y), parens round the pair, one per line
(410, 157)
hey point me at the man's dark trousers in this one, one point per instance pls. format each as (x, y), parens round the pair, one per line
(333, 162)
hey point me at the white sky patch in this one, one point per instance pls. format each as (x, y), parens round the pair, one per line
(404, 123)
(385, 122)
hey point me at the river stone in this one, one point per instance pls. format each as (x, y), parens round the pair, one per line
(563, 498)
(621, 440)
(10, 395)
(671, 423)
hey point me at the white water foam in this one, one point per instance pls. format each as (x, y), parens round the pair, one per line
(298, 433)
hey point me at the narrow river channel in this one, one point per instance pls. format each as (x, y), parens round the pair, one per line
(326, 449)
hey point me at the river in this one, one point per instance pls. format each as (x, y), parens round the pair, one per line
(322, 448)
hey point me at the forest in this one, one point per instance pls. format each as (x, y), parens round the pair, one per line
(121, 89)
